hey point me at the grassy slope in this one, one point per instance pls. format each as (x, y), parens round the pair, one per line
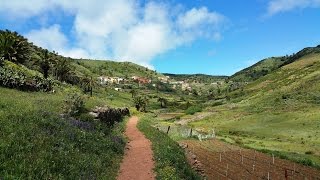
(115, 69)
(203, 78)
(257, 70)
(171, 162)
(279, 111)
(269, 65)
(36, 143)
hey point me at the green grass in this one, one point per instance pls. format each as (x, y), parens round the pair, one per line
(171, 162)
(36, 143)
(278, 112)
(193, 109)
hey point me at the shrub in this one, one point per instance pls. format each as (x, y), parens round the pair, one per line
(309, 152)
(73, 104)
(20, 77)
(86, 117)
(193, 109)
(217, 103)
(110, 116)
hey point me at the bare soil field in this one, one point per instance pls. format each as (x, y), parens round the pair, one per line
(219, 160)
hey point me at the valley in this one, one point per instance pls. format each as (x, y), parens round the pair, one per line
(49, 128)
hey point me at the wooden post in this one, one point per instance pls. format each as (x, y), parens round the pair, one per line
(286, 174)
(241, 159)
(190, 134)
(272, 158)
(227, 170)
(268, 176)
(253, 167)
(168, 130)
(220, 157)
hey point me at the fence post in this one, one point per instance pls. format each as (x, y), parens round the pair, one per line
(241, 159)
(268, 175)
(227, 170)
(190, 134)
(272, 158)
(220, 157)
(286, 174)
(253, 167)
(168, 130)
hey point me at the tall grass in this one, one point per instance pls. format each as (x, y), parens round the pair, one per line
(35, 142)
(171, 162)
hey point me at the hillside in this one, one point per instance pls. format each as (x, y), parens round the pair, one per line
(114, 69)
(48, 129)
(268, 65)
(201, 78)
(48, 106)
(278, 112)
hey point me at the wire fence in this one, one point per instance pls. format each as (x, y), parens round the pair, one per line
(250, 164)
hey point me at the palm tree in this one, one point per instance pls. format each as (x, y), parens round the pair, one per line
(140, 103)
(45, 63)
(6, 46)
(14, 47)
(163, 102)
(133, 93)
(88, 84)
(62, 68)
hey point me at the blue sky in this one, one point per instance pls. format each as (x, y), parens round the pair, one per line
(178, 36)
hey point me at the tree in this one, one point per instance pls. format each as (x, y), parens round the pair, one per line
(14, 47)
(163, 102)
(45, 63)
(133, 93)
(89, 84)
(140, 103)
(62, 68)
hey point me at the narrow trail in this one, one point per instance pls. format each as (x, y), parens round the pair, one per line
(138, 161)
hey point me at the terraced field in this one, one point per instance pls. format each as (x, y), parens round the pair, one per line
(224, 161)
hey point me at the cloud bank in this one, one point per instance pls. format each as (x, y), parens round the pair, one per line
(279, 6)
(123, 29)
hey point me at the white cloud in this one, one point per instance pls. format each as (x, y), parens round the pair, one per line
(50, 37)
(23, 8)
(278, 6)
(122, 29)
(53, 39)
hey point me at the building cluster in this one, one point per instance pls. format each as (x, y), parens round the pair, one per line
(104, 80)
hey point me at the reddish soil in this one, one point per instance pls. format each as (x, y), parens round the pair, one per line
(237, 163)
(138, 161)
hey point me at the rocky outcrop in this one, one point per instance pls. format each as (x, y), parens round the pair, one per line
(110, 115)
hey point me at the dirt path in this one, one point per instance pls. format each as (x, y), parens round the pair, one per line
(138, 161)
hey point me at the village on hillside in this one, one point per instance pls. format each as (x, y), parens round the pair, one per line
(188, 86)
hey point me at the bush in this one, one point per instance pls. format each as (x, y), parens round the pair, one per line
(110, 116)
(73, 104)
(309, 152)
(193, 109)
(86, 117)
(22, 78)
